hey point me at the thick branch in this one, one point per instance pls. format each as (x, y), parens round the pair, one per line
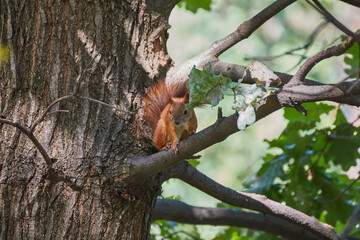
(310, 93)
(236, 72)
(309, 90)
(149, 165)
(177, 211)
(260, 203)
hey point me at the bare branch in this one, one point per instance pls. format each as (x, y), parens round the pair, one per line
(260, 203)
(181, 72)
(247, 28)
(41, 118)
(305, 47)
(31, 136)
(177, 211)
(327, 53)
(321, 9)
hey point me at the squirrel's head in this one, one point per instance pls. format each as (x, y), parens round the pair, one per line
(179, 114)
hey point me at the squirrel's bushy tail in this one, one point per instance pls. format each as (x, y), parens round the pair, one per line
(158, 97)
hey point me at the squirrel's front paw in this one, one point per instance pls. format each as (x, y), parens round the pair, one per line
(174, 147)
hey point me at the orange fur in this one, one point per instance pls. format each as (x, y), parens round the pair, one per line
(166, 114)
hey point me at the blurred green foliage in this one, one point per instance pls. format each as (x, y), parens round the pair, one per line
(302, 175)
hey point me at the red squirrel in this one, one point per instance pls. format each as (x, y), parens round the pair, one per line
(165, 112)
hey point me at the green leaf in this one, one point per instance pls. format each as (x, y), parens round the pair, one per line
(303, 176)
(352, 59)
(205, 86)
(337, 208)
(233, 85)
(194, 5)
(340, 118)
(193, 162)
(344, 146)
(314, 110)
(344, 142)
(174, 197)
(266, 175)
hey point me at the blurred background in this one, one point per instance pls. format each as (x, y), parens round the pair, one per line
(240, 156)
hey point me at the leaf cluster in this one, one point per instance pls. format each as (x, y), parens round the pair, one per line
(308, 170)
(207, 87)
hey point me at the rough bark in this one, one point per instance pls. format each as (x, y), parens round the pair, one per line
(103, 50)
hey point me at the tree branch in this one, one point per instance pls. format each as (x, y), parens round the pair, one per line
(177, 211)
(236, 72)
(292, 52)
(355, 3)
(181, 72)
(327, 53)
(342, 192)
(41, 118)
(64, 98)
(187, 173)
(31, 136)
(247, 28)
(322, 10)
(308, 90)
(219, 131)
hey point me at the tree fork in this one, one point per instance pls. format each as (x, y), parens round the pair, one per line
(116, 49)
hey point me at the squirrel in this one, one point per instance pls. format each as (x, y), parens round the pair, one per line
(166, 114)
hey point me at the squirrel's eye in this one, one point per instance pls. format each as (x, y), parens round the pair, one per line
(170, 111)
(185, 111)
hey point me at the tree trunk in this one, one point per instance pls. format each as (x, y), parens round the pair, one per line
(103, 50)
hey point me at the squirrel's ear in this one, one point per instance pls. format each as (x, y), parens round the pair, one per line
(186, 97)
